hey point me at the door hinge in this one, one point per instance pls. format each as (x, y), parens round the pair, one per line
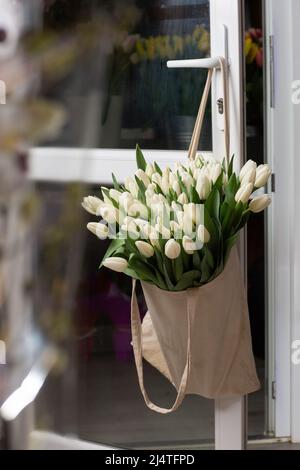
(272, 71)
(274, 390)
(273, 182)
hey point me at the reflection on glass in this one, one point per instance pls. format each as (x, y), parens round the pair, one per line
(118, 90)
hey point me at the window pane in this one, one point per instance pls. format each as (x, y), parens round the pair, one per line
(111, 71)
(94, 394)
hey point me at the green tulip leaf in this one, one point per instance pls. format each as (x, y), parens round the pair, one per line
(140, 160)
(115, 183)
(157, 169)
(187, 280)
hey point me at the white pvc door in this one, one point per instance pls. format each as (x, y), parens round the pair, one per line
(109, 110)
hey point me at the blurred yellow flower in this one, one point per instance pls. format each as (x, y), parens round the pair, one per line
(254, 49)
(248, 44)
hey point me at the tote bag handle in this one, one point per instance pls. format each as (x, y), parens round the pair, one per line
(200, 117)
(136, 328)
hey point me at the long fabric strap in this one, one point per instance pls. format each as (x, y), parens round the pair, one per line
(200, 117)
(136, 328)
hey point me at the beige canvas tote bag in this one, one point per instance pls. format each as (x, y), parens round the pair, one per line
(199, 338)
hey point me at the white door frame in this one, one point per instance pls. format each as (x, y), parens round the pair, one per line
(96, 165)
(283, 125)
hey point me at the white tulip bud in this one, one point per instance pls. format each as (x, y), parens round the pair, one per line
(141, 175)
(131, 230)
(172, 249)
(165, 232)
(203, 187)
(114, 194)
(182, 199)
(137, 209)
(109, 214)
(175, 227)
(149, 170)
(263, 173)
(166, 171)
(180, 218)
(176, 188)
(125, 200)
(188, 245)
(260, 203)
(249, 177)
(116, 264)
(145, 249)
(215, 172)
(187, 181)
(248, 166)
(172, 178)
(190, 210)
(146, 231)
(92, 204)
(176, 207)
(154, 238)
(165, 185)
(156, 178)
(188, 225)
(203, 234)
(244, 193)
(100, 230)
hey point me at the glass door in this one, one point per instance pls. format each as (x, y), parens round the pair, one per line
(104, 64)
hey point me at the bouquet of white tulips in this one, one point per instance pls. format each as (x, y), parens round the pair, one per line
(175, 228)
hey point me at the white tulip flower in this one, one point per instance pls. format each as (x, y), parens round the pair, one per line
(109, 214)
(131, 186)
(176, 188)
(189, 245)
(176, 207)
(263, 173)
(149, 170)
(203, 234)
(260, 203)
(166, 172)
(115, 195)
(191, 211)
(116, 264)
(175, 227)
(215, 170)
(249, 177)
(172, 178)
(203, 187)
(126, 200)
(145, 249)
(165, 185)
(248, 166)
(188, 224)
(141, 175)
(154, 238)
(244, 193)
(172, 249)
(165, 232)
(137, 209)
(187, 181)
(100, 230)
(156, 178)
(92, 204)
(180, 218)
(182, 199)
(146, 231)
